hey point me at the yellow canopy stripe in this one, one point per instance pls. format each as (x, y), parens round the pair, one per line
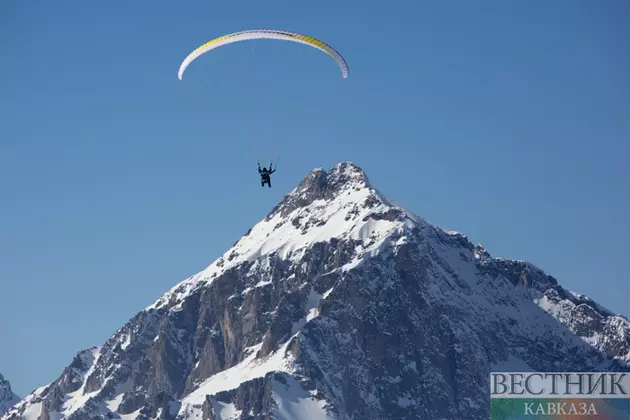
(265, 34)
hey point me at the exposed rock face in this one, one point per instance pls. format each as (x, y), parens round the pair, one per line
(7, 398)
(339, 304)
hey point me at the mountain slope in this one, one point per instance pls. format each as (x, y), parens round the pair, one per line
(339, 304)
(7, 398)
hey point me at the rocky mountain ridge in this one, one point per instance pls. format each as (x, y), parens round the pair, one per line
(7, 398)
(339, 304)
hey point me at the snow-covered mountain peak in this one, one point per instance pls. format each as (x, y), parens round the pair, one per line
(7, 398)
(340, 304)
(338, 204)
(320, 185)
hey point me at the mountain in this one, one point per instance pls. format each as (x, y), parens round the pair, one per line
(339, 304)
(7, 398)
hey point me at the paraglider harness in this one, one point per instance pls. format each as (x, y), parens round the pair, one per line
(265, 177)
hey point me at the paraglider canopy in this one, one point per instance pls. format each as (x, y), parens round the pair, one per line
(265, 34)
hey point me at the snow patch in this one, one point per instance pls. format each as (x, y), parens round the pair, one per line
(250, 368)
(112, 405)
(32, 411)
(78, 398)
(130, 416)
(225, 411)
(295, 403)
(312, 309)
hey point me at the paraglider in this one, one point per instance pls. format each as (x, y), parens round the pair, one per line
(265, 34)
(265, 175)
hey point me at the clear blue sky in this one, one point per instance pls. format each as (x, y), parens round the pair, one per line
(507, 121)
